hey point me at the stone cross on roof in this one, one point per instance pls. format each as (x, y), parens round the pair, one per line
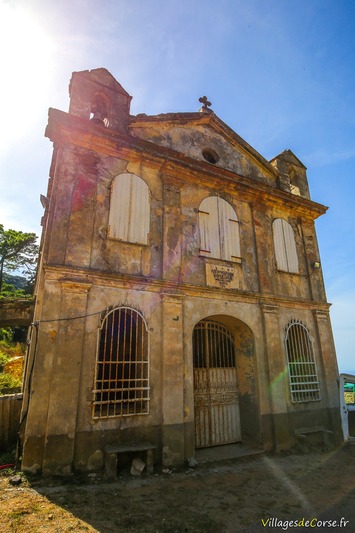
(204, 101)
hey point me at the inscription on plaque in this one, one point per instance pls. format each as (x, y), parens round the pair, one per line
(224, 277)
(221, 276)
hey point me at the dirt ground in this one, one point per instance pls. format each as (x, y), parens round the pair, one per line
(260, 493)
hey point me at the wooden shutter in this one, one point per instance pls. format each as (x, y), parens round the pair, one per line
(279, 245)
(140, 211)
(209, 231)
(229, 231)
(120, 207)
(219, 229)
(285, 246)
(290, 246)
(129, 216)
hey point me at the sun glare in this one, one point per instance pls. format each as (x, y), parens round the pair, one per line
(26, 70)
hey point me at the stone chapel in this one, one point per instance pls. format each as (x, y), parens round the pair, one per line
(180, 299)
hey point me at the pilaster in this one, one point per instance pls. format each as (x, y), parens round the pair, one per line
(173, 379)
(277, 376)
(327, 357)
(62, 412)
(172, 229)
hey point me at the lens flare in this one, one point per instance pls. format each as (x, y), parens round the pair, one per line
(25, 66)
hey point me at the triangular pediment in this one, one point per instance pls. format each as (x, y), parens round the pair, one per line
(205, 137)
(103, 77)
(289, 157)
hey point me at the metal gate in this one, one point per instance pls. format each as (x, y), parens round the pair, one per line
(217, 419)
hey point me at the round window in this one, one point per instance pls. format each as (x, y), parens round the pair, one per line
(210, 155)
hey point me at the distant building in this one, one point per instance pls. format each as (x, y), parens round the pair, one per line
(180, 298)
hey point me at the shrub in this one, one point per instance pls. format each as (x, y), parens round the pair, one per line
(8, 381)
(4, 358)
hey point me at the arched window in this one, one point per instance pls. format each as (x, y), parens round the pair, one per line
(99, 109)
(302, 370)
(122, 374)
(219, 229)
(129, 217)
(285, 246)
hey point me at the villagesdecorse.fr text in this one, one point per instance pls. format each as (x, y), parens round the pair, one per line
(313, 522)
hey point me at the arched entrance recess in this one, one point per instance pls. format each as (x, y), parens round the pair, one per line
(224, 382)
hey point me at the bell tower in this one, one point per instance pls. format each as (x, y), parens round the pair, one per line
(97, 96)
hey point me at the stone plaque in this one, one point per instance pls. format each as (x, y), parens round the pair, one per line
(225, 277)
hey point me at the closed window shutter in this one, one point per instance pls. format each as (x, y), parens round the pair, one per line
(285, 246)
(129, 216)
(140, 212)
(120, 207)
(219, 229)
(209, 231)
(229, 231)
(290, 246)
(279, 245)
(204, 232)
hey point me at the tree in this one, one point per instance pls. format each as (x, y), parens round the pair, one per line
(18, 252)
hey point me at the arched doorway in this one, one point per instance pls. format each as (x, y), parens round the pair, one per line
(216, 399)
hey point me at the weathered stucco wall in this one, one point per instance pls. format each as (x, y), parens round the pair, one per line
(192, 142)
(84, 271)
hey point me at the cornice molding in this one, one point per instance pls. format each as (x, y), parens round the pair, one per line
(87, 278)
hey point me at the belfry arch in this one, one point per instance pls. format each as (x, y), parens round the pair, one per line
(226, 407)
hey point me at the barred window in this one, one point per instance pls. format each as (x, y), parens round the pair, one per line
(285, 246)
(302, 370)
(122, 373)
(219, 229)
(129, 217)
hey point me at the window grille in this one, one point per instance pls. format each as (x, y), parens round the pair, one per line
(213, 346)
(122, 372)
(302, 370)
(285, 246)
(219, 229)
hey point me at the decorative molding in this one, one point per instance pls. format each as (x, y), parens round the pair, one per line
(320, 314)
(69, 285)
(110, 280)
(270, 309)
(170, 297)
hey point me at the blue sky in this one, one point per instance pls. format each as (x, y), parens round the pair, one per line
(281, 73)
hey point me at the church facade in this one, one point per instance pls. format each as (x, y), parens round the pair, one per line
(180, 298)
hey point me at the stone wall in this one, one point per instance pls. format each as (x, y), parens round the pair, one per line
(173, 286)
(16, 312)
